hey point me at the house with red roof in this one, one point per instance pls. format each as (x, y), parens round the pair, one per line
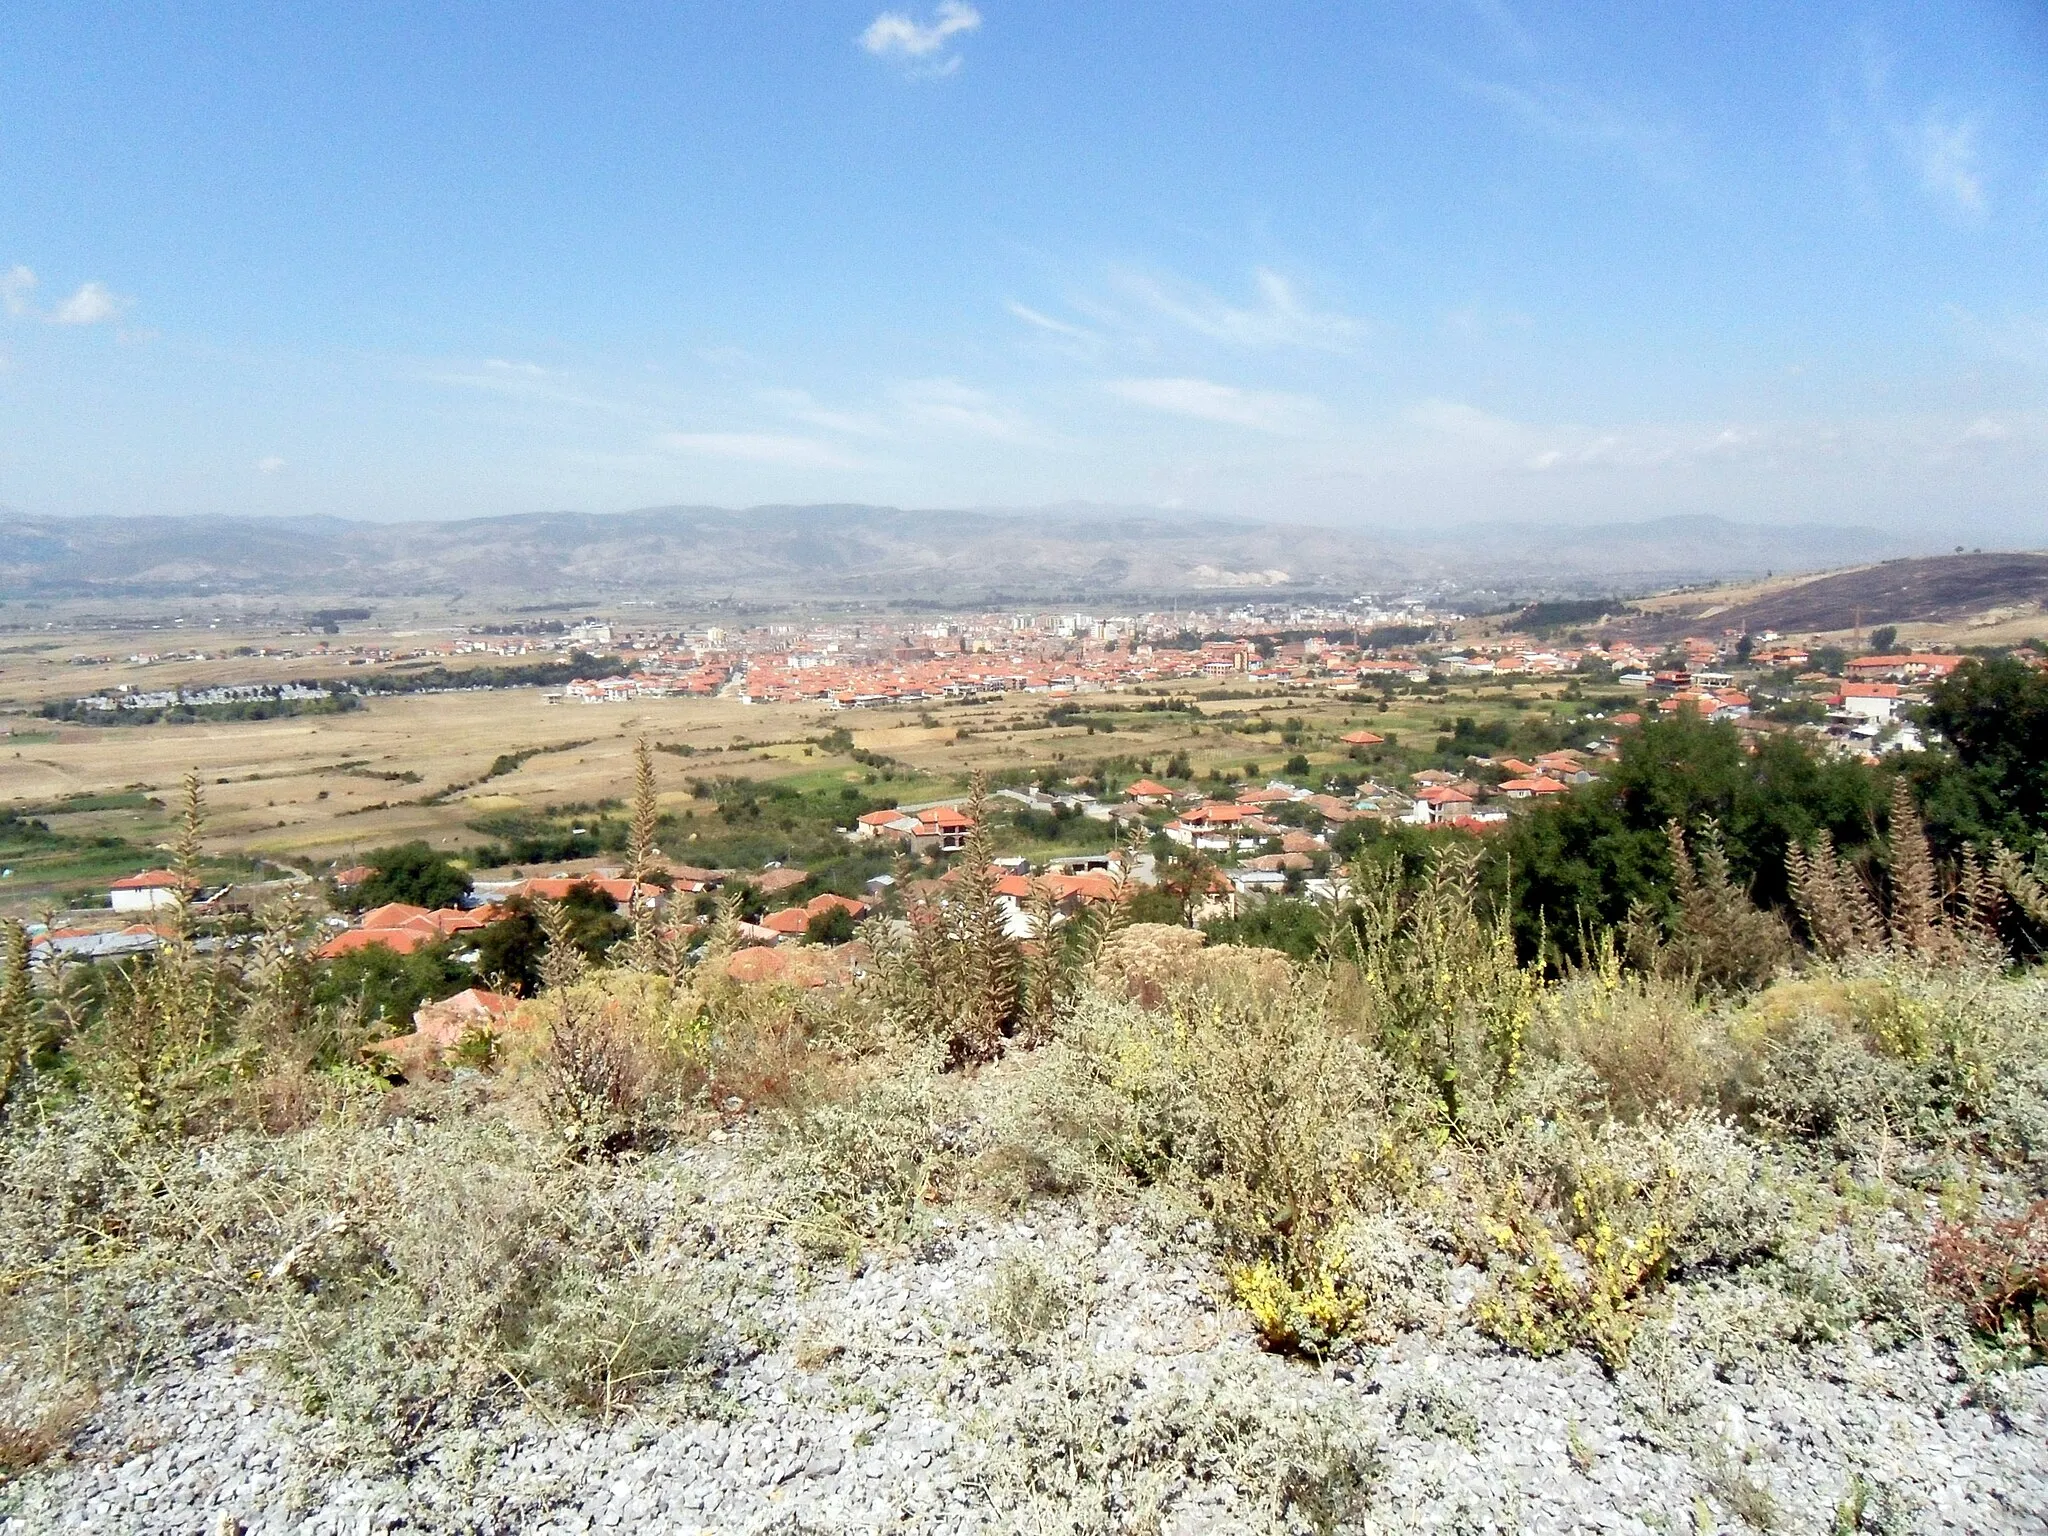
(793, 922)
(1910, 667)
(438, 1028)
(151, 891)
(1440, 802)
(941, 827)
(1877, 703)
(1215, 826)
(1536, 788)
(621, 891)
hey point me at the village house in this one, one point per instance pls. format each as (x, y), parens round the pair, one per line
(1911, 667)
(1439, 803)
(403, 928)
(1877, 703)
(1537, 788)
(1213, 827)
(941, 828)
(794, 922)
(153, 890)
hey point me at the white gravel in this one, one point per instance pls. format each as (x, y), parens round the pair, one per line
(888, 1405)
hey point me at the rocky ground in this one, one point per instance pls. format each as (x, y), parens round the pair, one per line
(1070, 1372)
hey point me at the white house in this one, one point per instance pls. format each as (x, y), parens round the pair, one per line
(1877, 702)
(151, 891)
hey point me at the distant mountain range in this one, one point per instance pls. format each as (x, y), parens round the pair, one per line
(837, 554)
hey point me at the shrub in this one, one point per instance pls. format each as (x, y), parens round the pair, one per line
(1025, 1299)
(1278, 1123)
(1719, 939)
(1644, 1037)
(863, 1170)
(595, 1077)
(1939, 1058)
(1625, 1208)
(1055, 1126)
(1998, 1273)
(1438, 987)
(1113, 1450)
(411, 1281)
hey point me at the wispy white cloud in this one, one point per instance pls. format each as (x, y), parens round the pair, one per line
(1943, 153)
(911, 410)
(1045, 322)
(92, 304)
(800, 405)
(16, 285)
(759, 448)
(1277, 317)
(270, 464)
(894, 34)
(949, 406)
(1504, 24)
(1937, 145)
(1567, 115)
(2017, 338)
(1477, 319)
(1261, 410)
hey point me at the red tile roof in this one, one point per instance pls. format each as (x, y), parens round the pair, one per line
(154, 880)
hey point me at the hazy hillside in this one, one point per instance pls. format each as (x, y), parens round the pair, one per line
(1937, 589)
(851, 552)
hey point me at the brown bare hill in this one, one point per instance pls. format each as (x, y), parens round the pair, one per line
(1932, 590)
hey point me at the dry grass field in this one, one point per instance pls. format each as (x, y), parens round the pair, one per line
(326, 784)
(320, 787)
(420, 765)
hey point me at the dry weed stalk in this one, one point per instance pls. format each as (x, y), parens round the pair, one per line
(19, 1032)
(1722, 940)
(1441, 987)
(1841, 918)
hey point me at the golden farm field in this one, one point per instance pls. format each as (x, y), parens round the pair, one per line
(427, 765)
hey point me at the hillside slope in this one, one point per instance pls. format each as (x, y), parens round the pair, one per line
(1939, 589)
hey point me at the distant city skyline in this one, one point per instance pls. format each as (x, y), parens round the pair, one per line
(1363, 265)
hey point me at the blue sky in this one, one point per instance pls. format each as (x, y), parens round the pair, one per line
(1342, 262)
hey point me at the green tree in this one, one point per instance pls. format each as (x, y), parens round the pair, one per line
(412, 873)
(512, 948)
(1992, 783)
(388, 986)
(1579, 864)
(1294, 927)
(834, 925)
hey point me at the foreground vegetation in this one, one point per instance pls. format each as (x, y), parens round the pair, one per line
(1843, 1134)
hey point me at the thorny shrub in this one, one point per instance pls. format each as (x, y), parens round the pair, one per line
(863, 1169)
(1642, 1035)
(1945, 1060)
